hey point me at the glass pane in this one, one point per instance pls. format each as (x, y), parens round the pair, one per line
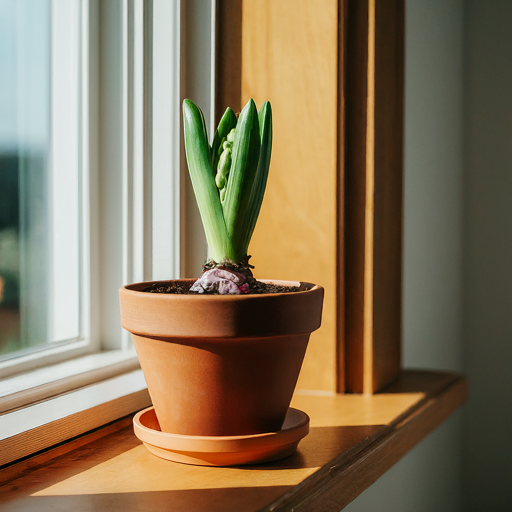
(40, 206)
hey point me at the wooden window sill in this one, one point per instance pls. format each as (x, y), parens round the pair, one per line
(354, 439)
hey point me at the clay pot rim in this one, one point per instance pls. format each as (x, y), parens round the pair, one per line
(310, 287)
(220, 316)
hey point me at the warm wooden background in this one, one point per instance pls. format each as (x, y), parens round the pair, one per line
(332, 213)
(289, 56)
(373, 170)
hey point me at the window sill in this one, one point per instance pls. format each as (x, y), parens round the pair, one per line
(354, 439)
(32, 387)
(36, 427)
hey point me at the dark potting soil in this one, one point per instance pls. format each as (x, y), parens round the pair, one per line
(255, 287)
(176, 288)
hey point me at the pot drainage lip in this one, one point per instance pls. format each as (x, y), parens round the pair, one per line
(222, 450)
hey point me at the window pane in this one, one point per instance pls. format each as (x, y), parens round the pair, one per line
(40, 206)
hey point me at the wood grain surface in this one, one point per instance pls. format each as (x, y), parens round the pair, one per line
(340, 355)
(373, 172)
(290, 57)
(228, 57)
(353, 440)
(332, 214)
(12, 471)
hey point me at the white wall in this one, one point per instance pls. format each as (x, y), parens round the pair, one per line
(428, 478)
(487, 448)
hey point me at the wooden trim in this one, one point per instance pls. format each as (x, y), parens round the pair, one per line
(334, 486)
(37, 385)
(373, 193)
(389, 127)
(340, 213)
(355, 193)
(39, 426)
(17, 469)
(369, 231)
(228, 73)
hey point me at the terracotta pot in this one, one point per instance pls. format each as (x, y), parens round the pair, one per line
(218, 365)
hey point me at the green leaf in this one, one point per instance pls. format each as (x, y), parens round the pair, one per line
(207, 196)
(260, 181)
(227, 123)
(246, 151)
(205, 131)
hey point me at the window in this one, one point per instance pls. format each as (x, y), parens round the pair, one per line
(41, 220)
(90, 179)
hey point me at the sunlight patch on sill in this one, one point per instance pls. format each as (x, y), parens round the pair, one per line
(357, 410)
(172, 476)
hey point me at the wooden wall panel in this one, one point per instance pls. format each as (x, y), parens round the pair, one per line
(389, 122)
(340, 356)
(356, 84)
(228, 57)
(333, 71)
(373, 196)
(290, 57)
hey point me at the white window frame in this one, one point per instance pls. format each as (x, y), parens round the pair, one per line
(136, 136)
(68, 154)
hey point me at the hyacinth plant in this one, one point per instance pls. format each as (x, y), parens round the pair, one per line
(229, 178)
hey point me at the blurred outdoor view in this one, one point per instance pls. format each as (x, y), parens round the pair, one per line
(38, 231)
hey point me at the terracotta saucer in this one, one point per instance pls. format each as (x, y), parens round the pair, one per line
(224, 450)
